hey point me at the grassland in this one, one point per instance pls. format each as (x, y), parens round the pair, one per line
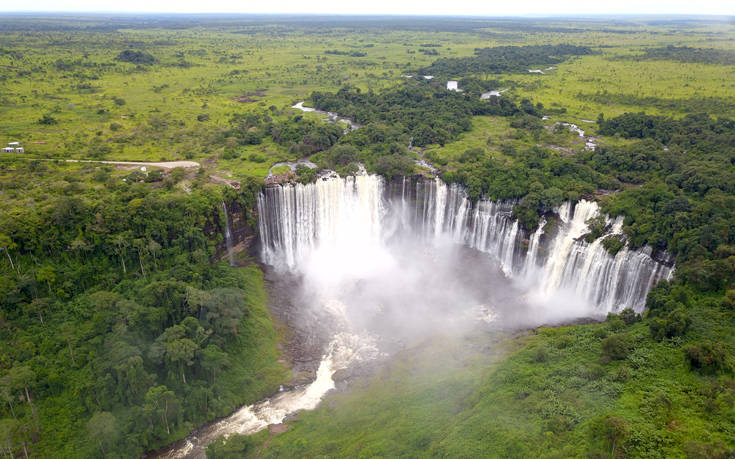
(72, 76)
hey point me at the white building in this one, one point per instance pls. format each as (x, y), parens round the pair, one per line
(452, 85)
(13, 147)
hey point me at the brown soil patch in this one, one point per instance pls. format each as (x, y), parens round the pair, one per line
(250, 97)
(278, 428)
(244, 99)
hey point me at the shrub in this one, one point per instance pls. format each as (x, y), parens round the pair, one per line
(564, 341)
(615, 322)
(729, 300)
(708, 357)
(203, 117)
(119, 101)
(629, 316)
(115, 126)
(675, 323)
(230, 154)
(251, 138)
(393, 166)
(612, 429)
(135, 57)
(342, 155)
(154, 176)
(48, 120)
(613, 244)
(135, 176)
(615, 347)
(621, 375)
(540, 354)
(600, 333)
(234, 446)
(596, 226)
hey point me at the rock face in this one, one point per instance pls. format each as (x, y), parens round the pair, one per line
(242, 235)
(555, 260)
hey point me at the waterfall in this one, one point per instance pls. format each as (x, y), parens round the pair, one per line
(354, 214)
(344, 213)
(228, 236)
(533, 247)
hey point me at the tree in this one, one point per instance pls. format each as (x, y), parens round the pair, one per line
(135, 56)
(223, 310)
(615, 347)
(729, 299)
(342, 155)
(675, 323)
(46, 274)
(47, 120)
(160, 401)
(177, 347)
(69, 333)
(212, 358)
(102, 428)
(22, 377)
(7, 393)
(140, 246)
(154, 248)
(7, 244)
(120, 244)
(38, 305)
(8, 434)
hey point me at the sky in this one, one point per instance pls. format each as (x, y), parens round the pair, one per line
(414, 7)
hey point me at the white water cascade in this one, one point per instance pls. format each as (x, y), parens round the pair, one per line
(228, 236)
(354, 214)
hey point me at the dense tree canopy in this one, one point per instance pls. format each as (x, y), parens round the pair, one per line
(116, 314)
(504, 59)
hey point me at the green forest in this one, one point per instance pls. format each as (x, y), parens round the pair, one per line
(124, 327)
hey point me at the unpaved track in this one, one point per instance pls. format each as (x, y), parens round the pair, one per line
(163, 164)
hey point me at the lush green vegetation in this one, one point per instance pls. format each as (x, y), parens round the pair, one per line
(423, 111)
(601, 390)
(121, 331)
(690, 54)
(504, 59)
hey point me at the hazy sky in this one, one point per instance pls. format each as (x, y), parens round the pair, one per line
(467, 7)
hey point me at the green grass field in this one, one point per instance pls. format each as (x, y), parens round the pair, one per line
(74, 78)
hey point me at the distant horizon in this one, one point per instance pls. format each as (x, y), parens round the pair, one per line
(473, 8)
(375, 15)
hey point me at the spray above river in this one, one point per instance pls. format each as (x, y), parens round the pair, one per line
(380, 266)
(346, 228)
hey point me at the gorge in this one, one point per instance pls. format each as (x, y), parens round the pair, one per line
(379, 265)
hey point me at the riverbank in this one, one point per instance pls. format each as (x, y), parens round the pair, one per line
(546, 394)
